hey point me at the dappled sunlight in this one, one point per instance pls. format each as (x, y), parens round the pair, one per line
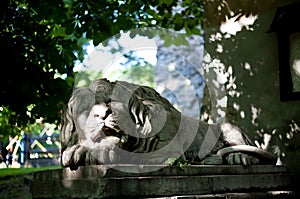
(241, 62)
(248, 67)
(255, 114)
(215, 77)
(235, 24)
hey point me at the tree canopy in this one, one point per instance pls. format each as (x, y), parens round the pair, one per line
(40, 39)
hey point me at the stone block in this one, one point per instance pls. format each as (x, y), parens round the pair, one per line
(128, 181)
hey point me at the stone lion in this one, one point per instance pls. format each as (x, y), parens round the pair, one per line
(124, 123)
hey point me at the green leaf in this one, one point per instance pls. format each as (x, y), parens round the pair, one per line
(196, 31)
(171, 161)
(187, 28)
(58, 31)
(178, 22)
(98, 37)
(168, 2)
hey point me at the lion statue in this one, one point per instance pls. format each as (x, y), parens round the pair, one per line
(124, 123)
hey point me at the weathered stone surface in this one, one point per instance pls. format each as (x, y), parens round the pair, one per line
(99, 181)
(125, 123)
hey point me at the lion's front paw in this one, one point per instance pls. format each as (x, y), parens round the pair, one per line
(74, 156)
(105, 152)
(241, 159)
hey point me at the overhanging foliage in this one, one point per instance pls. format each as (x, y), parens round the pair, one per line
(40, 39)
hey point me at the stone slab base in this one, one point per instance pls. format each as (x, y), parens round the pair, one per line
(156, 181)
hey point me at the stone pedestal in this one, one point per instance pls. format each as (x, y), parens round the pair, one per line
(128, 181)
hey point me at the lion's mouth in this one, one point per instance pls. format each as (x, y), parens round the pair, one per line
(108, 131)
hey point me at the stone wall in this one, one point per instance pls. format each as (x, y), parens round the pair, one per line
(237, 41)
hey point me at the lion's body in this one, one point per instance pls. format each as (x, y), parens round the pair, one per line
(121, 122)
